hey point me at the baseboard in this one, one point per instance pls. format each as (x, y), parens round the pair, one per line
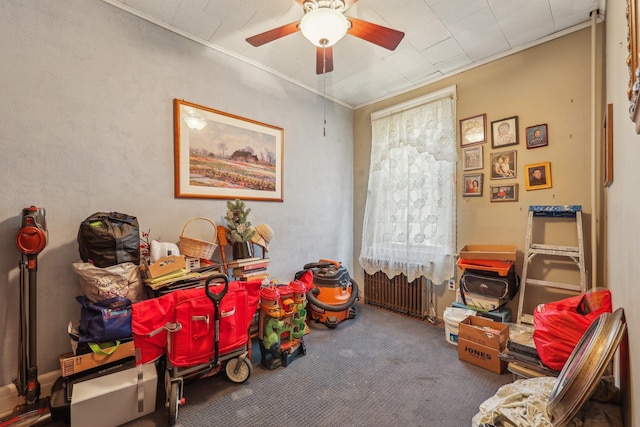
(9, 397)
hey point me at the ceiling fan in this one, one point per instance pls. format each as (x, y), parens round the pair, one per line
(324, 24)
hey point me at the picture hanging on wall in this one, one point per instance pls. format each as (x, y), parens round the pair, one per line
(222, 156)
(473, 130)
(504, 193)
(607, 157)
(537, 136)
(503, 165)
(504, 132)
(538, 175)
(472, 184)
(472, 158)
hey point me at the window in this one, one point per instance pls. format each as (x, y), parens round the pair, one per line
(409, 219)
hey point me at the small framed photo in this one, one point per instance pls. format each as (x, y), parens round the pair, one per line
(472, 158)
(503, 165)
(504, 132)
(504, 193)
(472, 183)
(537, 136)
(473, 130)
(538, 175)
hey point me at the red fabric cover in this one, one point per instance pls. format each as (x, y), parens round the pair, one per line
(307, 279)
(194, 343)
(559, 326)
(253, 289)
(149, 316)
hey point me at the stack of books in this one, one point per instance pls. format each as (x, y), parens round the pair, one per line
(249, 268)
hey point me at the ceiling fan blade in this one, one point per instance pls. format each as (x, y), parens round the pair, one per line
(276, 33)
(324, 60)
(376, 34)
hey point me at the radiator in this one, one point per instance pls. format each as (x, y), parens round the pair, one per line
(396, 294)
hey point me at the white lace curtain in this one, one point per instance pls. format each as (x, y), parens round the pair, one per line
(409, 219)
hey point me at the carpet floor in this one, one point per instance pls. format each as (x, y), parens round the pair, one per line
(379, 369)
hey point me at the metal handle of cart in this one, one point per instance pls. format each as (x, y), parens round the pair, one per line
(216, 298)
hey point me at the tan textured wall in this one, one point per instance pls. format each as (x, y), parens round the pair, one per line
(549, 83)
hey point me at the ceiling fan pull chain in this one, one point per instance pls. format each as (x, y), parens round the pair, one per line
(324, 89)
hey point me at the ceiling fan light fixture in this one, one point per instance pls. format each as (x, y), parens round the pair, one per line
(324, 27)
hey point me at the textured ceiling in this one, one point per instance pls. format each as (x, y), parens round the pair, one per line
(442, 37)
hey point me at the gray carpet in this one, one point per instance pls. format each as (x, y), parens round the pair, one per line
(379, 369)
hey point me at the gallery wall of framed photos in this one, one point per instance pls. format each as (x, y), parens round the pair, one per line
(502, 165)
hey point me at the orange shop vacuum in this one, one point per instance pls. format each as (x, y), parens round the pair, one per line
(331, 292)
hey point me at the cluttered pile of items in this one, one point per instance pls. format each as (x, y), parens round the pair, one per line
(559, 362)
(167, 312)
(155, 314)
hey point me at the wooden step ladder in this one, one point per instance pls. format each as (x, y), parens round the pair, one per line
(575, 253)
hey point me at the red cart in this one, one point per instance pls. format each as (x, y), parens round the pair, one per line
(202, 331)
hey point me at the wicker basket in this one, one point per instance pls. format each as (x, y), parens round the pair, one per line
(197, 248)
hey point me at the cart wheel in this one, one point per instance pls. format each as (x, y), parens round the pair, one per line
(174, 402)
(238, 370)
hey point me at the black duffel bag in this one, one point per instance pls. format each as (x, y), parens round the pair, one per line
(490, 283)
(107, 239)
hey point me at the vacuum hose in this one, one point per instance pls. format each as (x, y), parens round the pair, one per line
(313, 292)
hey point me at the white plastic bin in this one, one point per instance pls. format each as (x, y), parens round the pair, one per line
(452, 317)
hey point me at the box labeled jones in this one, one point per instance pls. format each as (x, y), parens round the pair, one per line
(480, 355)
(484, 332)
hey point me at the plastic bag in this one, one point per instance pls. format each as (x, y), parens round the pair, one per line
(559, 325)
(120, 280)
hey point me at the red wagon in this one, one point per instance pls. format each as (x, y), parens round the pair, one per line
(201, 331)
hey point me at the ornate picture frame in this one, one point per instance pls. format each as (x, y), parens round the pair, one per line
(218, 155)
(632, 44)
(538, 175)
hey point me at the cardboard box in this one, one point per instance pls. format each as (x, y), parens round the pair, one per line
(484, 332)
(480, 355)
(167, 265)
(480, 342)
(112, 400)
(70, 364)
(499, 252)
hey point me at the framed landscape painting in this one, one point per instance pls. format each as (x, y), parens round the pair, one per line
(219, 155)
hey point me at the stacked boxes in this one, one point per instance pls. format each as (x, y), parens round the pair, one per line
(492, 258)
(480, 342)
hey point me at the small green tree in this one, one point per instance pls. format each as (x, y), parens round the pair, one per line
(238, 221)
